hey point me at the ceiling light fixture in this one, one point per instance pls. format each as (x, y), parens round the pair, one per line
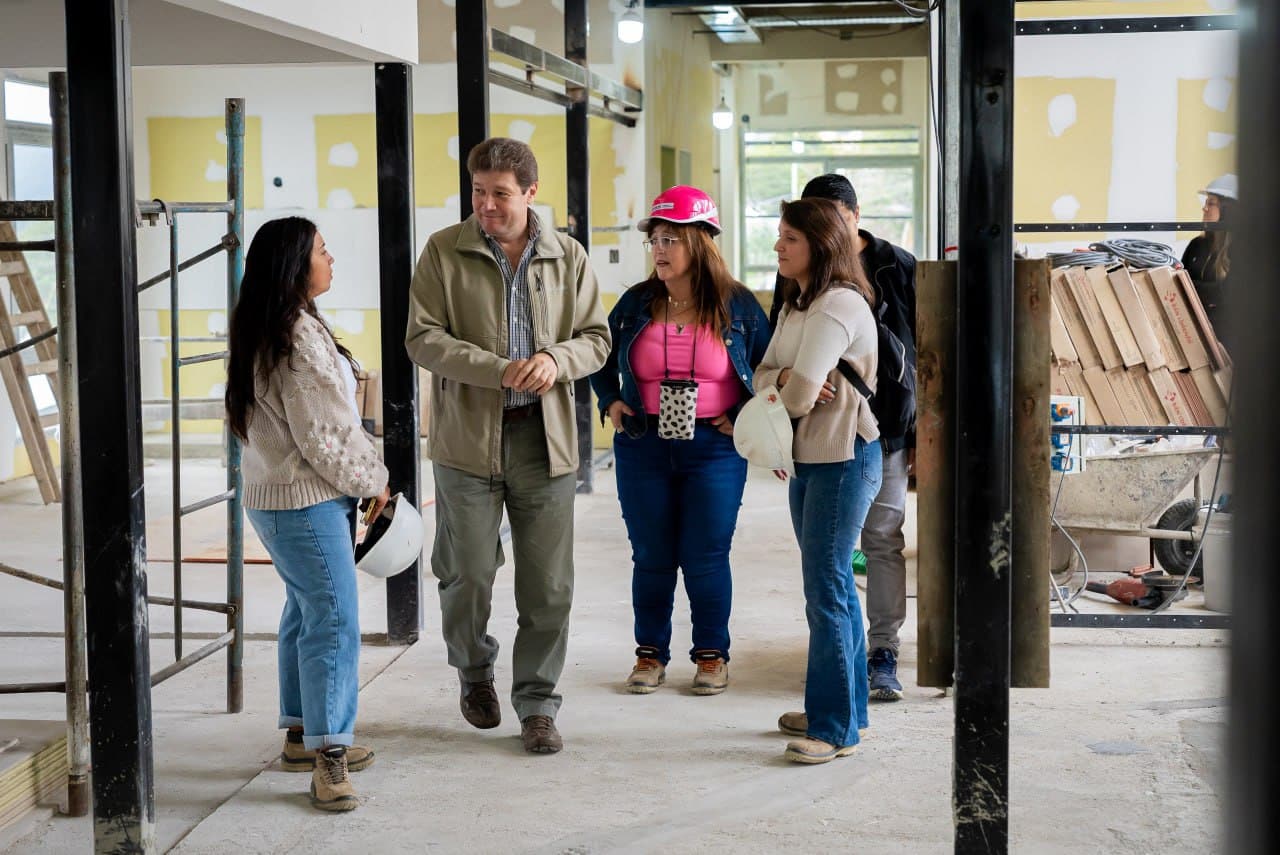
(722, 116)
(631, 25)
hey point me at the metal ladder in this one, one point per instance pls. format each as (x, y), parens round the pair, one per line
(17, 373)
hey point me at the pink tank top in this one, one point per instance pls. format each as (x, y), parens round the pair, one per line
(718, 385)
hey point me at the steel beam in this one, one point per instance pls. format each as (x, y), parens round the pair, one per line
(234, 120)
(578, 194)
(100, 105)
(1252, 824)
(393, 98)
(472, 39)
(984, 428)
(572, 68)
(1145, 24)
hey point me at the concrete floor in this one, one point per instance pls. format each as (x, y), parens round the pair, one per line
(1123, 753)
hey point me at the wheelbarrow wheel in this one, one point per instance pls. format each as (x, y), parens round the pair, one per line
(1175, 555)
(1064, 561)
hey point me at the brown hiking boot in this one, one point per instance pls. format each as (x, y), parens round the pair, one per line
(539, 734)
(794, 723)
(713, 673)
(296, 758)
(480, 704)
(814, 751)
(330, 785)
(649, 672)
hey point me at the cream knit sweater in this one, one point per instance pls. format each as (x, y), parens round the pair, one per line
(838, 325)
(305, 444)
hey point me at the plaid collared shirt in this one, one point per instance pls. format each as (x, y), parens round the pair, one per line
(519, 309)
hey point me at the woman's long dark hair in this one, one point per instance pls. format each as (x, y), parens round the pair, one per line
(833, 262)
(712, 283)
(274, 293)
(1218, 258)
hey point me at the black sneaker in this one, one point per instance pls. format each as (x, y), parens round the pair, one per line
(882, 672)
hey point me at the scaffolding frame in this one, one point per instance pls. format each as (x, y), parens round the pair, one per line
(75, 683)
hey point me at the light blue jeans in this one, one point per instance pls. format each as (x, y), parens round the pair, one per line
(319, 649)
(829, 503)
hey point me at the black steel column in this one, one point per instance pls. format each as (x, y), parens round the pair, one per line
(98, 71)
(578, 193)
(472, 39)
(393, 86)
(1252, 824)
(984, 428)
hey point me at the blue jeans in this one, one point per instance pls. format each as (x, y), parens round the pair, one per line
(829, 503)
(319, 648)
(680, 501)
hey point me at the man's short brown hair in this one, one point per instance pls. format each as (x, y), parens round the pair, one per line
(503, 154)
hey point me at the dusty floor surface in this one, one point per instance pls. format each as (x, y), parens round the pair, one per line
(1121, 755)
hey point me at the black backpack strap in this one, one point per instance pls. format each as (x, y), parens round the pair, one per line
(852, 376)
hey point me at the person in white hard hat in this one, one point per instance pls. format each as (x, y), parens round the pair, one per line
(686, 341)
(1207, 257)
(291, 398)
(826, 318)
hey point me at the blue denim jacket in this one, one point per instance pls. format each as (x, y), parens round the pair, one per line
(746, 340)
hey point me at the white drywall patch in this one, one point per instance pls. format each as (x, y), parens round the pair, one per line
(1218, 140)
(1062, 114)
(889, 102)
(351, 320)
(848, 71)
(1217, 94)
(847, 101)
(216, 172)
(888, 76)
(340, 198)
(1065, 208)
(344, 154)
(519, 129)
(453, 147)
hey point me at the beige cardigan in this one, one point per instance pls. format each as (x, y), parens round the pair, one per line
(838, 325)
(305, 445)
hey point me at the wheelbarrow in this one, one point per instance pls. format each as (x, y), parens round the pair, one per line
(1132, 495)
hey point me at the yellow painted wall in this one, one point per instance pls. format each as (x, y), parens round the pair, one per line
(346, 161)
(22, 462)
(189, 159)
(1074, 162)
(1206, 139)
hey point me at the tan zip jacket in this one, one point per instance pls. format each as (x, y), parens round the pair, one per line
(458, 331)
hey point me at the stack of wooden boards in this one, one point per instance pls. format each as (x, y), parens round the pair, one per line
(1137, 346)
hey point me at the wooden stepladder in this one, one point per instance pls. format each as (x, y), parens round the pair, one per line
(17, 373)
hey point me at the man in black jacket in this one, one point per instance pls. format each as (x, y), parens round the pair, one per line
(892, 273)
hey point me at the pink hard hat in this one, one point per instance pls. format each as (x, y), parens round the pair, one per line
(683, 204)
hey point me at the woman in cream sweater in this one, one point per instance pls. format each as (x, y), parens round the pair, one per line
(826, 318)
(291, 398)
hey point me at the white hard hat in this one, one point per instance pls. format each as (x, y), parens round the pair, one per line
(393, 541)
(1227, 186)
(762, 432)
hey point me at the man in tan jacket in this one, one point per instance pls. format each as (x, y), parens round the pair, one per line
(505, 313)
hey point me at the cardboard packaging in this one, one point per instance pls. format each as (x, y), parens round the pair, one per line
(1096, 324)
(1181, 320)
(1143, 333)
(1065, 302)
(1150, 300)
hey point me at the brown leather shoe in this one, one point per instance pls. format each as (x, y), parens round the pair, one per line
(480, 706)
(539, 734)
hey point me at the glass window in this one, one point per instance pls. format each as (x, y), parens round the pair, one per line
(26, 102)
(884, 165)
(32, 171)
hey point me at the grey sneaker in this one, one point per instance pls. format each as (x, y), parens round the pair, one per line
(648, 674)
(712, 677)
(882, 674)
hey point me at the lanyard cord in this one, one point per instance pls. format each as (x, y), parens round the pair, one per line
(666, 322)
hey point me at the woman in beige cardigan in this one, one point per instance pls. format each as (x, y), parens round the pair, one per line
(291, 398)
(826, 319)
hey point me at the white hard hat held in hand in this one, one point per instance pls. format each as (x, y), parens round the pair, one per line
(762, 432)
(393, 541)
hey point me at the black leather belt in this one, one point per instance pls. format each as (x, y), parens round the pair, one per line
(518, 414)
(653, 421)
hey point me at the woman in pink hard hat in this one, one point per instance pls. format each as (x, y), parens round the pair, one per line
(686, 342)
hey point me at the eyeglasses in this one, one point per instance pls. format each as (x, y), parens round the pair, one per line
(1208, 201)
(663, 241)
